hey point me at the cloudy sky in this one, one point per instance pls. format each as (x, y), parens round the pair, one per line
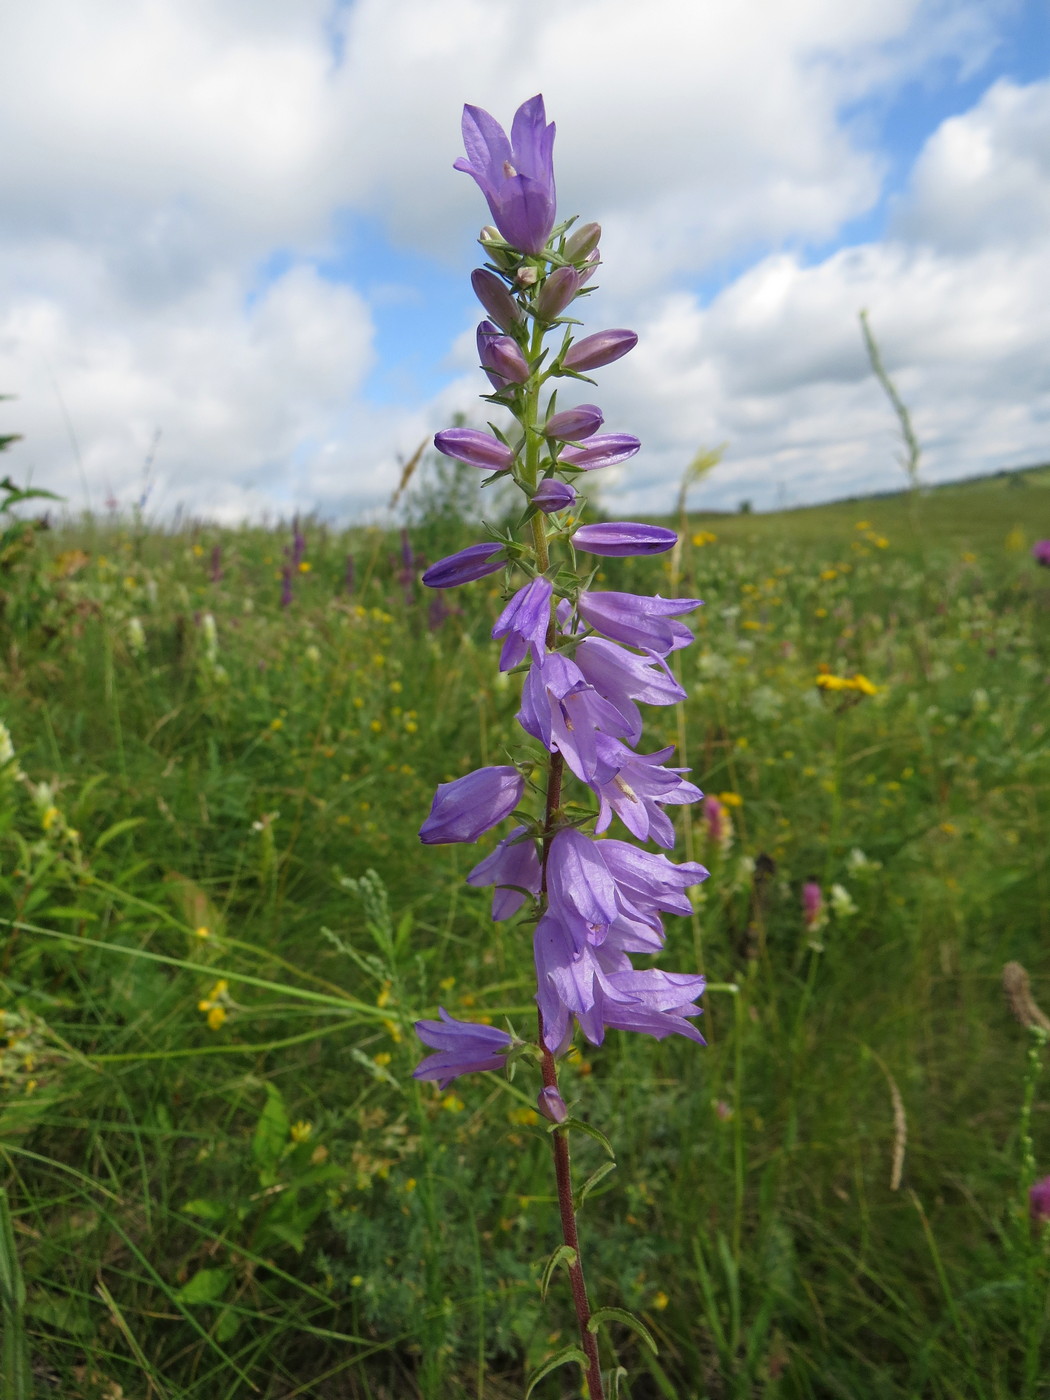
(235, 223)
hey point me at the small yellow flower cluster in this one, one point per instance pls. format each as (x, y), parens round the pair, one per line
(856, 682)
(703, 537)
(215, 1004)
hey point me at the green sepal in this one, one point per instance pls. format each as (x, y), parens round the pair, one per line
(602, 1315)
(564, 1254)
(561, 1358)
(584, 1190)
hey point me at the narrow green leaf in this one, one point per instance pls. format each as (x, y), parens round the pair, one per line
(583, 1191)
(589, 1129)
(206, 1210)
(562, 1358)
(564, 1254)
(206, 1286)
(603, 1315)
(112, 832)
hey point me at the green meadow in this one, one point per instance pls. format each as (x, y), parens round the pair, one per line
(218, 926)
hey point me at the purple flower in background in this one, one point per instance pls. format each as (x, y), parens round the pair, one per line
(216, 563)
(512, 867)
(574, 424)
(1041, 553)
(553, 495)
(624, 537)
(812, 904)
(463, 1047)
(638, 789)
(286, 586)
(639, 621)
(606, 450)
(298, 544)
(474, 447)
(524, 622)
(516, 176)
(492, 292)
(500, 357)
(593, 351)
(465, 566)
(348, 575)
(462, 810)
(1039, 1201)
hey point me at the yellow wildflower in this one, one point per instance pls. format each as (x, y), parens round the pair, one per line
(305, 566)
(730, 799)
(703, 537)
(300, 1131)
(661, 1301)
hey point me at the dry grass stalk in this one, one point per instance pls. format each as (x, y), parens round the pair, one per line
(1019, 997)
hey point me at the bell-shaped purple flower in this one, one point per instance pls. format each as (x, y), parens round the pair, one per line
(622, 677)
(599, 349)
(551, 1104)
(500, 357)
(474, 447)
(575, 424)
(589, 266)
(638, 620)
(524, 622)
(647, 882)
(581, 891)
(465, 566)
(462, 810)
(512, 867)
(516, 176)
(566, 714)
(552, 495)
(492, 292)
(638, 790)
(606, 450)
(463, 1047)
(619, 538)
(557, 293)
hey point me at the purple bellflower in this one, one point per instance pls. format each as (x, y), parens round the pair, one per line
(620, 538)
(574, 424)
(523, 622)
(638, 789)
(463, 1047)
(465, 566)
(513, 867)
(553, 495)
(500, 357)
(462, 810)
(596, 350)
(516, 176)
(568, 716)
(622, 677)
(638, 621)
(474, 447)
(491, 291)
(606, 450)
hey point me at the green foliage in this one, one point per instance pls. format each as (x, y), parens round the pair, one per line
(220, 926)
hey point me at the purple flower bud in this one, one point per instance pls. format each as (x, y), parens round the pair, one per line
(552, 495)
(216, 563)
(583, 242)
(476, 448)
(590, 267)
(524, 622)
(512, 867)
(465, 566)
(623, 537)
(638, 620)
(557, 292)
(516, 176)
(603, 451)
(574, 424)
(593, 351)
(1041, 553)
(500, 357)
(492, 292)
(464, 809)
(463, 1047)
(1039, 1201)
(551, 1104)
(812, 903)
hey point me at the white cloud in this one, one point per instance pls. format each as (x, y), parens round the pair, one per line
(163, 152)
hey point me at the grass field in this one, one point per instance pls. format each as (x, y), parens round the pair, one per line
(219, 926)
